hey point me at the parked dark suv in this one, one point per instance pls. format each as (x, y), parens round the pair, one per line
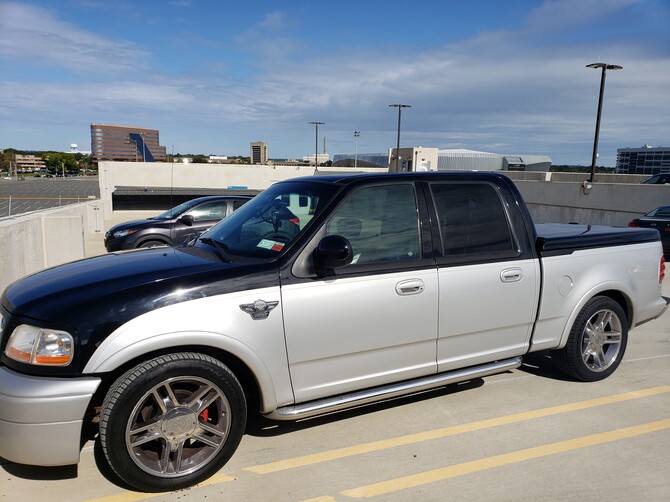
(173, 226)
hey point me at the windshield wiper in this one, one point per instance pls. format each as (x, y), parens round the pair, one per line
(221, 248)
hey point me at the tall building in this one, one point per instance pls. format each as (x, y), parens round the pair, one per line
(259, 153)
(125, 143)
(644, 160)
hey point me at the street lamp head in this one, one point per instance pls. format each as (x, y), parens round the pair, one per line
(605, 66)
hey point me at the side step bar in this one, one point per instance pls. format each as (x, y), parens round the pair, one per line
(346, 401)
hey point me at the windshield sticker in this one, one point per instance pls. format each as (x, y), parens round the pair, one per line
(271, 245)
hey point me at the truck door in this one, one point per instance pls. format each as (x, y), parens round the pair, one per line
(488, 286)
(374, 321)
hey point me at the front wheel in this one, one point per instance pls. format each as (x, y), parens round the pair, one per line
(152, 244)
(596, 343)
(172, 422)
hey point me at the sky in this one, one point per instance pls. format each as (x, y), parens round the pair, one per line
(502, 76)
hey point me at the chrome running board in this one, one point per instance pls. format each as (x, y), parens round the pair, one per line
(346, 401)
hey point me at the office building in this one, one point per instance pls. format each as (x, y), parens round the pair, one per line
(643, 160)
(125, 144)
(29, 162)
(259, 153)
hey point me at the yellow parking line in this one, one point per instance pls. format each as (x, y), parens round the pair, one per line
(451, 431)
(452, 471)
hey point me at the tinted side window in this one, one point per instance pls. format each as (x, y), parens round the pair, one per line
(209, 211)
(381, 222)
(472, 219)
(237, 203)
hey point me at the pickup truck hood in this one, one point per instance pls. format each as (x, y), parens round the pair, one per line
(92, 297)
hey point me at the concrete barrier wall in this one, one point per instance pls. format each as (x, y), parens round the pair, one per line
(604, 204)
(160, 174)
(34, 241)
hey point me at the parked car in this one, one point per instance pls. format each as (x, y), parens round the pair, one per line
(657, 179)
(173, 226)
(321, 293)
(659, 219)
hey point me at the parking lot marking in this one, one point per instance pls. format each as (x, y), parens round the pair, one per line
(349, 451)
(394, 485)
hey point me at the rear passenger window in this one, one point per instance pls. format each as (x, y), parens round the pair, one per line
(381, 222)
(472, 220)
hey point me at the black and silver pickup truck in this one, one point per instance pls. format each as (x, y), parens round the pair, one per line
(319, 294)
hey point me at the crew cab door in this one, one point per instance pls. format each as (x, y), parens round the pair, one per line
(371, 322)
(488, 284)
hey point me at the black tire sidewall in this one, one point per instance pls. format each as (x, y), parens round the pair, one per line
(132, 386)
(573, 349)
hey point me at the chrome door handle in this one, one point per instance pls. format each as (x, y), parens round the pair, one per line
(410, 287)
(511, 275)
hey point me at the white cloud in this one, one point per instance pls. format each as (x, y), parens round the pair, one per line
(29, 33)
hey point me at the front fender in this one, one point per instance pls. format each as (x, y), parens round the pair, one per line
(216, 322)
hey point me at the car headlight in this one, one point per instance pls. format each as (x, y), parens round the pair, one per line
(123, 233)
(40, 346)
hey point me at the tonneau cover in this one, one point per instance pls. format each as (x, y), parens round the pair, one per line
(569, 237)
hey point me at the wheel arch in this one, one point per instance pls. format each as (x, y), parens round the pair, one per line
(152, 237)
(617, 292)
(249, 370)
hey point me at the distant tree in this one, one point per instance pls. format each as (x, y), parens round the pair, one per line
(84, 161)
(57, 162)
(6, 158)
(200, 159)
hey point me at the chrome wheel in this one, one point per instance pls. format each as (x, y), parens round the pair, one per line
(178, 426)
(597, 341)
(601, 343)
(172, 421)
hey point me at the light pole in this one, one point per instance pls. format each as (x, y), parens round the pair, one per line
(356, 135)
(316, 145)
(397, 150)
(604, 67)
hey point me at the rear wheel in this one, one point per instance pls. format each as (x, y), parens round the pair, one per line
(597, 341)
(152, 244)
(172, 422)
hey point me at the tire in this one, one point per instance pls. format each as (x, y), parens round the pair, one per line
(152, 244)
(597, 341)
(172, 422)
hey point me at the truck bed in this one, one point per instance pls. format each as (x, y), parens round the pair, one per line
(556, 238)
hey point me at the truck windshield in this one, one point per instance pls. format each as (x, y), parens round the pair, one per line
(271, 221)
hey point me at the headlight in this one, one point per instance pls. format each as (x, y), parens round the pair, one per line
(40, 346)
(123, 233)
